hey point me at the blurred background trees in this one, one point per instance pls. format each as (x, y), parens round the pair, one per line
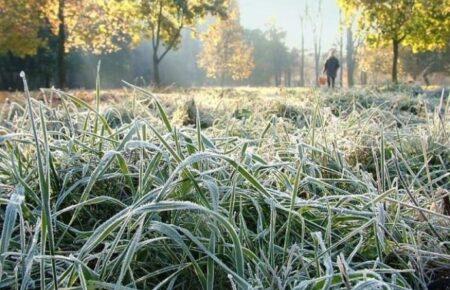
(225, 54)
(44, 31)
(162, 21)
(422, 25)
(59, 42)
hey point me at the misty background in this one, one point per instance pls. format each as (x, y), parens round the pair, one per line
(276, 58)
(180, 66)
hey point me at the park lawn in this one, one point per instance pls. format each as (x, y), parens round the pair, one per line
(204, 188)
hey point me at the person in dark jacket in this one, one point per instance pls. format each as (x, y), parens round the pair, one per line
(330, 68)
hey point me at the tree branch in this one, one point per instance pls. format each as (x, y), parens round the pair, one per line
(158, 28)
(171, 44)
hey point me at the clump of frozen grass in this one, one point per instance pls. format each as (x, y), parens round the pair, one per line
(268, 203)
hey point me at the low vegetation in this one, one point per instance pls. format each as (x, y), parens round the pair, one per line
(290, 189)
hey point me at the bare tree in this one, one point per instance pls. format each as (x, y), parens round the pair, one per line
(353, 43)
(351, 60)
(303, 15)
(341, 49)
(316, 22)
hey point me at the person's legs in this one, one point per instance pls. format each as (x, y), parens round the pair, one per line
(333, 81)
(329, 81)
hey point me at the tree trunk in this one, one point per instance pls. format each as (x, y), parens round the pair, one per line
(341, 58)
(47, 80)
(302, 56)
(316, 67)
(302, 67)
(426, 79)
(277, 79)
(341, 50)
(61, 66)
(363, 78)
(317, 37)
(350, 58)
(288, 78)
(156, 76)
(395, 46)
(222, 80)
(222, 84)
(425, 73)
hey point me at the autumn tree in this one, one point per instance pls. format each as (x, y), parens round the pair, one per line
(375, 63)
(162, 21)
(92, 25)
(96, 26)
(225, 54)
(19, 27)
(420, 24)
(21, 38)
(423, 64)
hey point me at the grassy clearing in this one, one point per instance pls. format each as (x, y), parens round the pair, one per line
(292, 189)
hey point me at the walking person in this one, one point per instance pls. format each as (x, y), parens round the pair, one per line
(330, 68)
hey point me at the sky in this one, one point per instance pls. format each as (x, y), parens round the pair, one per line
(286, 15)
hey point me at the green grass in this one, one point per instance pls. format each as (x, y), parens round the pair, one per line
(293, 189)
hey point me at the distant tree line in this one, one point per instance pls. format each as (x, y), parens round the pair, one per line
(129, 64)
(164, 42)
(273, 64)
(254, 57)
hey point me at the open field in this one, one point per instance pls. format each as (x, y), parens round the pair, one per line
(260, 188)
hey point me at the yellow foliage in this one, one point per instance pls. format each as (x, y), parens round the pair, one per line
(424, 25)
(225, 53)
(98, 26)
(93, 25)
(19, 26)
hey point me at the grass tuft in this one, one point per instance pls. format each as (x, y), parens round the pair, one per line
(305, 190)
